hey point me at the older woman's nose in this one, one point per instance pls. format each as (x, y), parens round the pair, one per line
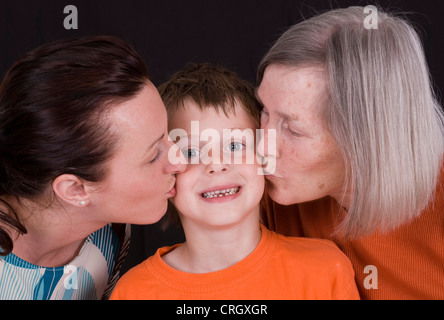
(267, 146)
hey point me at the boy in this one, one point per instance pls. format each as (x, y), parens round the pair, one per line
(228, 254)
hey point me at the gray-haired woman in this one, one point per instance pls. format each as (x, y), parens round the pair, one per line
(359, 148)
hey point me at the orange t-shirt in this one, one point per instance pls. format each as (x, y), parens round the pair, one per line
(279, 268)
(407, 263)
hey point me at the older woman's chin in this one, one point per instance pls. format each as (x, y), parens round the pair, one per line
(285, 194)
(280, 194)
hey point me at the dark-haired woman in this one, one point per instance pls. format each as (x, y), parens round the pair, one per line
(83, 150)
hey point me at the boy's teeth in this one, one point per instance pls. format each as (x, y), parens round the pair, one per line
(220, 193)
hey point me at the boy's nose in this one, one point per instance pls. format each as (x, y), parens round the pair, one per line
(216, 164)
(214, 168)
(212, 157)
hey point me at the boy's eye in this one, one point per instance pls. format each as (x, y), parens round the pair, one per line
(190, 153)
(235, 146)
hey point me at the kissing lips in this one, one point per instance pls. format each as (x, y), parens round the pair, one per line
(172, 192)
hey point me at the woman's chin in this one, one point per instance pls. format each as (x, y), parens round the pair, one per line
(283, 197)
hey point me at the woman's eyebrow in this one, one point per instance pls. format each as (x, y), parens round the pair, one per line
(286, 116)
(257, 96)
(160, 138)
(153, 144)
(279, 113)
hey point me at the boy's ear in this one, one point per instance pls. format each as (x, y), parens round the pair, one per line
(71, 189)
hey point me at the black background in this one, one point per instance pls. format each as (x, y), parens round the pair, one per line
(169, 33)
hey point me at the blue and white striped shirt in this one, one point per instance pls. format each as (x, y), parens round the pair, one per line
(91, 275)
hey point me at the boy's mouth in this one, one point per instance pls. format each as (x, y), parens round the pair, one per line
(220, 193)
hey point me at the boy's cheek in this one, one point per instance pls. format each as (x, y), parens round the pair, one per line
(185, 182)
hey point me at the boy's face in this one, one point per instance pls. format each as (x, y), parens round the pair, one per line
(222, 187)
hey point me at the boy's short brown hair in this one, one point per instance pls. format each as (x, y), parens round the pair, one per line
(209, 86)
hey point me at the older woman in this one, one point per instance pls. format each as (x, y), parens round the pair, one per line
(359, 148)
(83, 144)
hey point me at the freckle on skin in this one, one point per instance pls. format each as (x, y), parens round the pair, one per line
(308, 85)
(321, 185)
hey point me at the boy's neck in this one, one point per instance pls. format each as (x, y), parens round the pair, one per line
(212, 249)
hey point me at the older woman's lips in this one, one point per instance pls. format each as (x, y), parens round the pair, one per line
(272, 177)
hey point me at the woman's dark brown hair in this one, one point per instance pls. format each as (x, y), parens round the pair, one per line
(53, 103)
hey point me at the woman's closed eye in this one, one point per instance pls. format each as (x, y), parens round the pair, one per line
(157, 156)
(288, 128)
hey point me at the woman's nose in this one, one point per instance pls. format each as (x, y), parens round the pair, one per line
(179, 163)
(267, 144)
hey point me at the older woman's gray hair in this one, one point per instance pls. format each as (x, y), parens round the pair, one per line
(380, 107)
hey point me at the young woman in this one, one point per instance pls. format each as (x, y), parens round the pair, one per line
(83, 144)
